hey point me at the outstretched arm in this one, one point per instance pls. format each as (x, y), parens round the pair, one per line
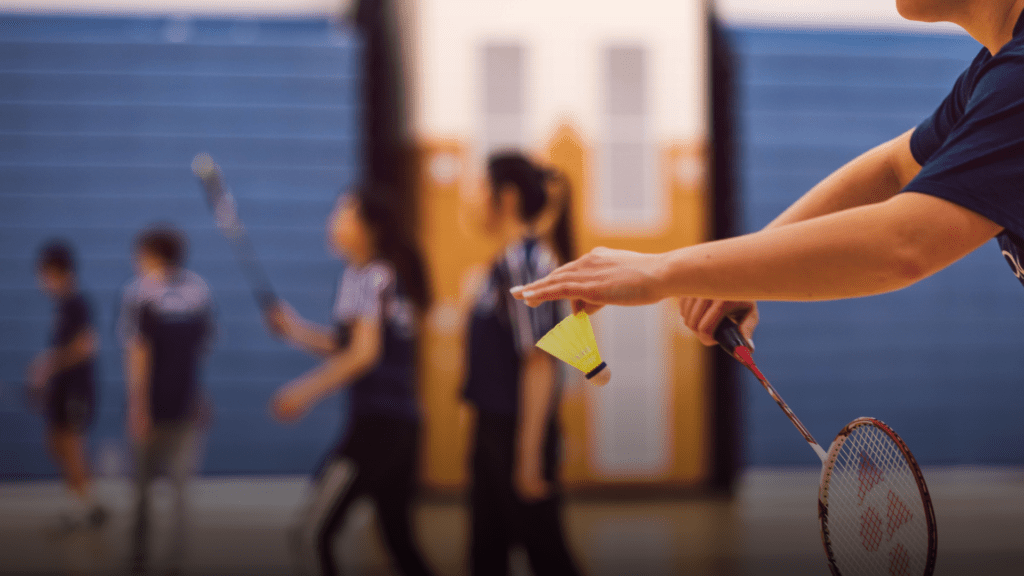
(859, 251)
(285, 323)
(337, 371)
(875, 176)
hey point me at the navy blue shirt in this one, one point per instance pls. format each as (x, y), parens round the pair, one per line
(373, 292)
(175, 319)
(72, 318)
(971, 150)
(504, 330)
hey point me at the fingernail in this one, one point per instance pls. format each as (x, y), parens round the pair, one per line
(528, 294)
(515, 289)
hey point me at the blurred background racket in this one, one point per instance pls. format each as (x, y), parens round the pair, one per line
(225, 214)
(873, 504)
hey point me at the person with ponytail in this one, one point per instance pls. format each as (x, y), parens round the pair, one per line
(515, 387)
(371, 350)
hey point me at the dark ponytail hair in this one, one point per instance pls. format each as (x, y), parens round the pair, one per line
(395, 242)
(531, 184)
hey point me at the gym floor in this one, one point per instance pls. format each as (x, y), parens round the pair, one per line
(770, 528)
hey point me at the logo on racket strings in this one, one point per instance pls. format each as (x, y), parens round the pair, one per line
(868, 475)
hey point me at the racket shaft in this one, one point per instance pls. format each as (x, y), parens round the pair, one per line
(222, 204)
(255, 275)
(729, 338)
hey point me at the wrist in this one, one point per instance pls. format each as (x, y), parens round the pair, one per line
(660, 271)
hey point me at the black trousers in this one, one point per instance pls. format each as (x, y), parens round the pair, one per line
(378, 461)
(500, 519)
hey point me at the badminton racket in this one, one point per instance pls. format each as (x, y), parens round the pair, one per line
(873, 504)
(225, 214)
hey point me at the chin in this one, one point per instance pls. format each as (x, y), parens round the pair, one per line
(917, 10)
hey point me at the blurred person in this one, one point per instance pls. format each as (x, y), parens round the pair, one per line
(167, 324)
(515, 387)
(63, 376)
(371, 350)
(889, 218)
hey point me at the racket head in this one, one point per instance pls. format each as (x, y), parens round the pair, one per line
(875, 510)
(222, 203)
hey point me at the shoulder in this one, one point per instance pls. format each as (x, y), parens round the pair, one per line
(375, 276)
(195, 282)
(1002, 76)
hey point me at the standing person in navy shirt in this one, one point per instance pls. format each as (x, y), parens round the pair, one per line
(514, 386)
(371, 350)
(167, 324)
(63, 375)
(889, 218)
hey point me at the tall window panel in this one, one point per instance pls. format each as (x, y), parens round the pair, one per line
(627, 195)
(504, 97)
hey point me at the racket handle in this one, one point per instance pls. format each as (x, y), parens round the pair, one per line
(729, 337)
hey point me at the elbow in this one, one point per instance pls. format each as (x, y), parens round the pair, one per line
(910, 256)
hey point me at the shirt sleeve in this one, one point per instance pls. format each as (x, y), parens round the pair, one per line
(979, 164)
(361, 294)
(530, 324)
(933, 130)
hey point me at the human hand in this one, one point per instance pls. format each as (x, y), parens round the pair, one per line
(289, 404)
(703, 315)
(530, 484)
(603, 276)
(281, 319)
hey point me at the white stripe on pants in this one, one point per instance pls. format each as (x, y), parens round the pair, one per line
(336, 480)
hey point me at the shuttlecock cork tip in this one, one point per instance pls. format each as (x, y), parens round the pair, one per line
(203, 165)
(600, 376)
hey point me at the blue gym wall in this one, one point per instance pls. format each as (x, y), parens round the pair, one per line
(941, 361)
(99, 121)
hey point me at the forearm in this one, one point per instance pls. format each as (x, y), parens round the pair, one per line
(535, 404)
(313, 338)
(875, 176)
(857, 252)
(137, 364)
(335, 373)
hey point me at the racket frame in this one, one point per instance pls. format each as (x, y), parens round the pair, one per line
(922, 486)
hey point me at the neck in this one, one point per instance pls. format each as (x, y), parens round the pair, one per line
(359, 260)
(66, 291)
(990, 23)
(513, 231)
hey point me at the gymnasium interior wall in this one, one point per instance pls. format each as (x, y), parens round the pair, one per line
(100, 115)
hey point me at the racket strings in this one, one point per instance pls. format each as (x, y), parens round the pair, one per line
(876, 519)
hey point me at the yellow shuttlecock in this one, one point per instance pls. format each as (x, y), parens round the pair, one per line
(572, 341)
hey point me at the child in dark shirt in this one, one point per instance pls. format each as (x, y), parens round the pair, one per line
(63, 375)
